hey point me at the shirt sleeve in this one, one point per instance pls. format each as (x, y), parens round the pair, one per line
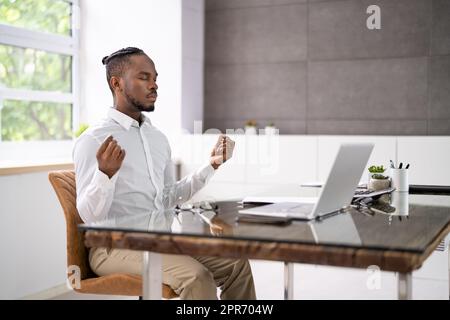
(95, 190)
(177, 192)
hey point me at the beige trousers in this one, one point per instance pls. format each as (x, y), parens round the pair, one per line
(190, 277)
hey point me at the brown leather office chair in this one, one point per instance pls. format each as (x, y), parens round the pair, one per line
(63, 182)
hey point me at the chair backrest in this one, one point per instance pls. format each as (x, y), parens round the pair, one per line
(63, 181)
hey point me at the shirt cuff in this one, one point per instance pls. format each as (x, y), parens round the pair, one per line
(206, 172)
(102, 181)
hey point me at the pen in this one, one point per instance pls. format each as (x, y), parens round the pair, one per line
(400, 166)
(407, 166)
(392, 164)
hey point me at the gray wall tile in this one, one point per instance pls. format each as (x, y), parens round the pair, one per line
(331, 75)
(440, 41)
(223, 124)
(338, 29)
(291, 126)
(284, 126)
(322, 0)
(276, 91)
(368, 127)
(368, 89)
(263, 34)
(439, 90)
(229, 4)
(439, 127)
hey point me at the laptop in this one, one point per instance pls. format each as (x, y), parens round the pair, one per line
(337, 193)
(339, 230)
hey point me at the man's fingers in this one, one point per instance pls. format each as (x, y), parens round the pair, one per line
(223, 140)
(110, 148)
(116, 152)
(217, 159)
(225, 153)
(104, 145)
(122, 155)
(219, 140)
(228, 141)
(224, 147)
(218, 143)
(228, 147)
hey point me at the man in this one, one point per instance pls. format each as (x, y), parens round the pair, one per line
(123, 167)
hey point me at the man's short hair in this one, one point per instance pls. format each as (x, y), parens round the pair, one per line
(116, 62)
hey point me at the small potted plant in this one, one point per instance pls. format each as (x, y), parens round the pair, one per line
(250, 127)
(377, 179)
(270, 128)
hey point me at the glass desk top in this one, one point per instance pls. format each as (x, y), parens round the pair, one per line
(403, 222)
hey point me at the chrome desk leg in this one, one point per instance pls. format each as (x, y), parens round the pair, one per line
(404, 286)
(288, 281)
(152, 276)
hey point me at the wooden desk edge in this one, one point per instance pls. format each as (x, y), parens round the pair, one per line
(387, 260)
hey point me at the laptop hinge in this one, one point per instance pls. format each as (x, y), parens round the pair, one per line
(331, 214)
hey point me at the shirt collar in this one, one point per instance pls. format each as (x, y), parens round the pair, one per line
(126, 121)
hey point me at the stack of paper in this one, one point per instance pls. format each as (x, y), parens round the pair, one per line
(268, 200)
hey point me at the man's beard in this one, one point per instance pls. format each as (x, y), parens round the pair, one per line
(139, 106)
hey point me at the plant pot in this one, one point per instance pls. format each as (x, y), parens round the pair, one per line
(270, 130)
(378, 184)
(250, 130)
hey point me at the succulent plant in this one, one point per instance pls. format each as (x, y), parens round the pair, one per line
(377, 169)
(376, 172)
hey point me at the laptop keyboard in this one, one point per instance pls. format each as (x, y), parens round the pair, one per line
(301, 208)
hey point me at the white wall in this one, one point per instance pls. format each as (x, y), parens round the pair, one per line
(263, 162)
(152, 25)
(32, 236)
(295, 159)
(428, 158)
(192, 62)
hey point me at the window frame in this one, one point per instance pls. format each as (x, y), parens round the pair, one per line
(53, 43)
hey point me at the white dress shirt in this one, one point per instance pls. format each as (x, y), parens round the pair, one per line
(144, 183)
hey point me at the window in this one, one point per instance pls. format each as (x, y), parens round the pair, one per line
(38, 71)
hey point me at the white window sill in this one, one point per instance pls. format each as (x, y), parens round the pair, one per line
(6, 170)
(25, 157)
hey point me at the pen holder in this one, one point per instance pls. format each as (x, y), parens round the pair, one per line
(400, 201)
(400, 179)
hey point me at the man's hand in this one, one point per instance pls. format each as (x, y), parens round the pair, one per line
(110, 157)
(223, 150)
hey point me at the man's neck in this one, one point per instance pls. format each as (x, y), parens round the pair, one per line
(136, 115)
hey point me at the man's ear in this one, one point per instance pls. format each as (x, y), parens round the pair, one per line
(115, 83)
